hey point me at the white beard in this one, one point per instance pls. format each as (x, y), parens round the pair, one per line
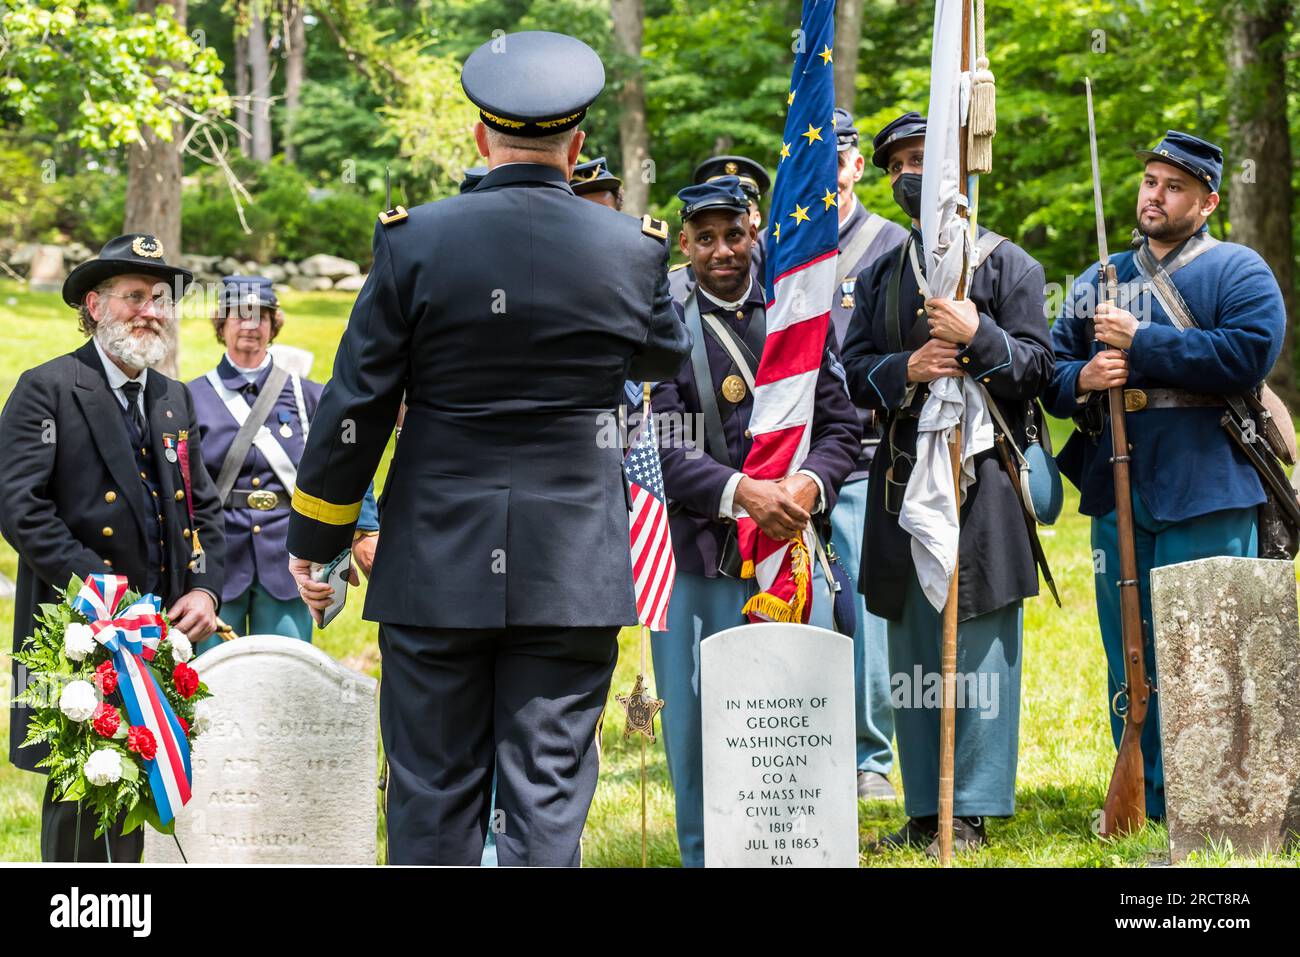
(117, 339)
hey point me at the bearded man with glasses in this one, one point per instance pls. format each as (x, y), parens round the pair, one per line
(94, 479)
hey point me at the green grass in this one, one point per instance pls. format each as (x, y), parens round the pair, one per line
(1065, 747)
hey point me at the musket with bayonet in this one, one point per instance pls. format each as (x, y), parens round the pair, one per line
(1125, 807)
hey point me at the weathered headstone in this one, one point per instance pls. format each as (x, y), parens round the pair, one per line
(47, 272)
(1228, 672)
(779, 748)
(287, 771)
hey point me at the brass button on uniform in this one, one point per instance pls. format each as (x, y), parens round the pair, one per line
(180, 494)
(257, 529)
(108, 531)
(256, 482)
(110, 497)
(143, 476)
(186, 533)
(144, 451)
(965, 360)
(740, 314)
(986, 378)
(160, 518)
(108, 562)
(153, 492)
(920, 312)
(749, 434)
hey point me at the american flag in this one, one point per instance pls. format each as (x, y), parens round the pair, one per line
(653, 565)
(800, 285)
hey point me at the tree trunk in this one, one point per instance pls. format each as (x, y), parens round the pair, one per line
(1260, 156)
(243, 115)
(629, 17)
(259, 62)
(848, 38)
(153, 188)
(294, 71)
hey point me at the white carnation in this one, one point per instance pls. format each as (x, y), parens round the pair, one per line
(78, 700)
(182, 650)
(104, 767)
(78, 641)
(202, 718)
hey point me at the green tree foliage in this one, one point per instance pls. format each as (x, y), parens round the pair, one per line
(81, 71)
(383, 91)
(288, 217)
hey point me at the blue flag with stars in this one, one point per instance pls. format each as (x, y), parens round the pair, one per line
(800, 284)
(805, 220)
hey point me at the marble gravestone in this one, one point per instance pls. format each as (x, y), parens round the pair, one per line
(1228, 671)
(779, 747)
(46, 272)
(286, 772)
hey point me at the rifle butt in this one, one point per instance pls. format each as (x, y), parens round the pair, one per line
(1125, 809)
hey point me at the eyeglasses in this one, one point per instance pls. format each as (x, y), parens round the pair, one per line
(137, 300)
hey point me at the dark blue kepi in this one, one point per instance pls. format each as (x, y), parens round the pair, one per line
(533, 83)
(1191, 154)
(724, 192)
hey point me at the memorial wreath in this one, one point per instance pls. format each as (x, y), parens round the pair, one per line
(113, 696)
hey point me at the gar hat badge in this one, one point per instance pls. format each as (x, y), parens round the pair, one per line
(147, 246)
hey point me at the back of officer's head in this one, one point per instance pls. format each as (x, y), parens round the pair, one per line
(556, 149)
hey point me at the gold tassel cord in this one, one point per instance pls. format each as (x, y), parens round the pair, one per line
(982, 123)
(773, 608)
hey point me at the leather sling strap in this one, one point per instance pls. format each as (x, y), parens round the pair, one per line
(852, 253)
(715, 442)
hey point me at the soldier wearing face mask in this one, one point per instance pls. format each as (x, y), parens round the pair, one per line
(897, 343)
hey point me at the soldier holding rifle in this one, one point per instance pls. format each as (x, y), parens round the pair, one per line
(1188, 331)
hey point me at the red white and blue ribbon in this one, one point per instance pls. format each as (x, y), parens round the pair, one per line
(133, 638)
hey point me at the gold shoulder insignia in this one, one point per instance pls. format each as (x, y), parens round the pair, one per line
(654, 227)
(677, 266)
(395, 215)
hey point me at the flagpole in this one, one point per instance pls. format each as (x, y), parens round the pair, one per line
(639, 707)
(645, 641)
(948, 654)
(644, 633)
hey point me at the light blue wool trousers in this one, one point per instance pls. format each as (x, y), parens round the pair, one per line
(988, 712)
(257, 612)
(874, 713)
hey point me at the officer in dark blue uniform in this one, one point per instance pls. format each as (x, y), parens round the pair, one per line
(511, 316)
(1195, 495)
(754, 182)
(593, 181)
(897, 343)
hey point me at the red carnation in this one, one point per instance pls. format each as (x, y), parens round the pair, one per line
(106, 678)
(185, 725)
(106, 720)
(140, 740)
(186, 679)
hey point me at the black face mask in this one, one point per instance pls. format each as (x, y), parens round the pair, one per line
(907, 194)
